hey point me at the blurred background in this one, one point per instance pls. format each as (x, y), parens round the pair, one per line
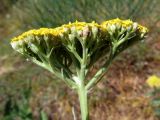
(27, 90)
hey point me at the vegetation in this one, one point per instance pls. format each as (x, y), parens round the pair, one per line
(154, 83)
(40, 13)
(121, 96)
(77, 47)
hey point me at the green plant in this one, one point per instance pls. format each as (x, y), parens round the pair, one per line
(154, 82)
(52, 13)
(6, 5)
(70, 51)
(49, 13)
(20, 108)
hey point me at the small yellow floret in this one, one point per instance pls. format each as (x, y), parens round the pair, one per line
(153, 81)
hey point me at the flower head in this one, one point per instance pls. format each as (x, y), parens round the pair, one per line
(123, 33)
(67, 41)
(124, 23)
(153, 81)
(54, 31)
(79, 44)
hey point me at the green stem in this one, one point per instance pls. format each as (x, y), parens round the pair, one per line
(100, 73)
(95, 79)
(82, 92)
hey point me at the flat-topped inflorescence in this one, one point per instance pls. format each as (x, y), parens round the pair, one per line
(79, 26)
(54, 34)
(55, 31)
(123, 33)
(69, 51)
(125, 24)
(71, 38)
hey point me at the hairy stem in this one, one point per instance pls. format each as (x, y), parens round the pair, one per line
(82, 92)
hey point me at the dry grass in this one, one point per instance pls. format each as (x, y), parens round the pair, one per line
(122, 97)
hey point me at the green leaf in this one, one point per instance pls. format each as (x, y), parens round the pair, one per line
(156, 102)
(43, 116)
(157, 112)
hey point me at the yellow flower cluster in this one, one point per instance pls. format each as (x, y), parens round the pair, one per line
(123, 23)
(41, 31)
(154, 81)
(79, 26)
(56, 31)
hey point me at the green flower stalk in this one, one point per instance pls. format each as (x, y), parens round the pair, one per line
(69, 51)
